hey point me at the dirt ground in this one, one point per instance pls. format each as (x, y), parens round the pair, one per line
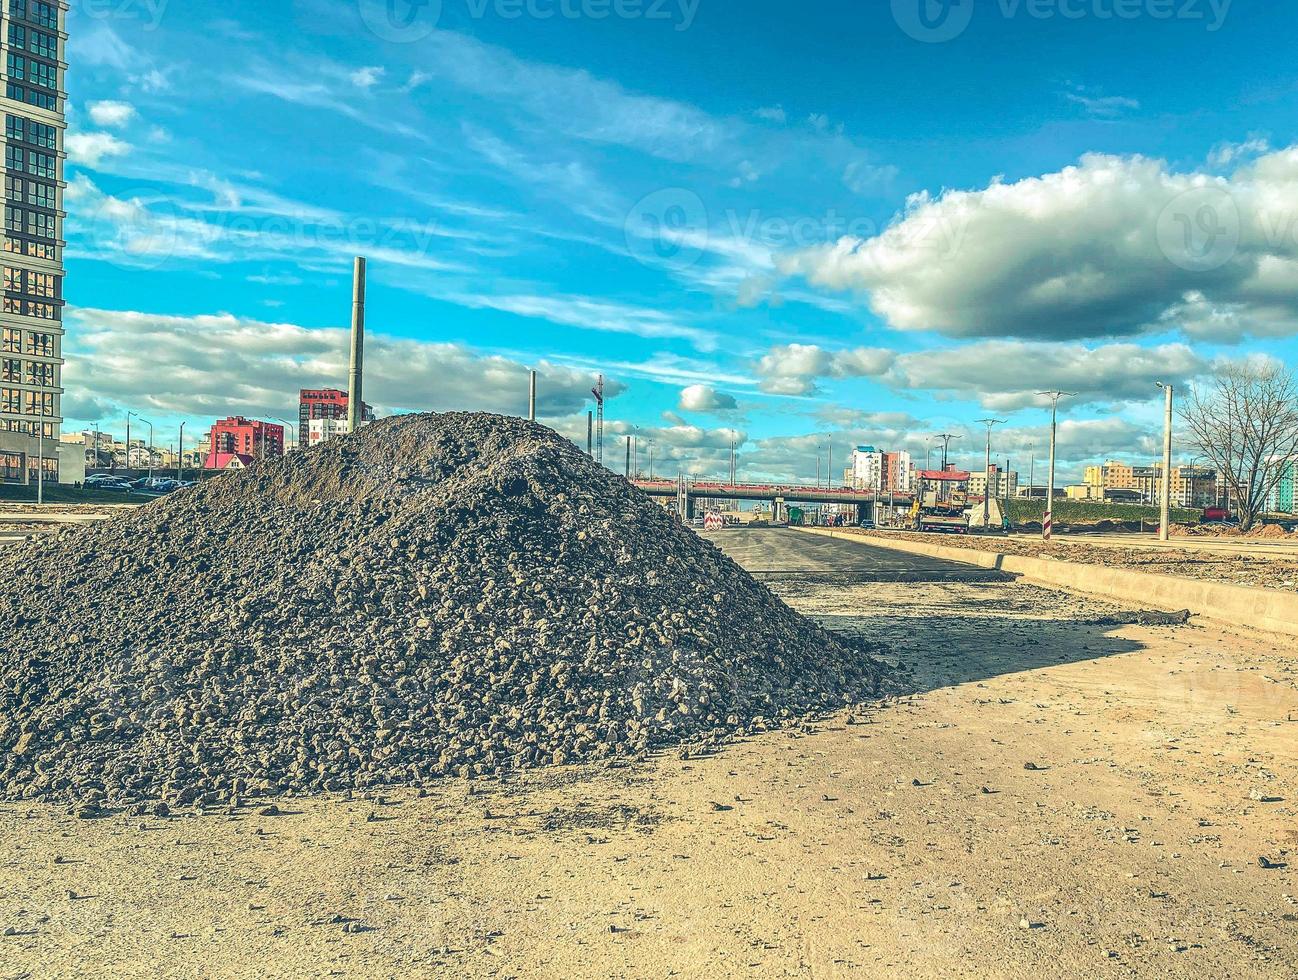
(1270, 571)
(1054, 799)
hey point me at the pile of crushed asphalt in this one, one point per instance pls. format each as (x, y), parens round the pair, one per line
(439, 594)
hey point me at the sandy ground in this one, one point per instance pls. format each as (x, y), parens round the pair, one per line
(909, 842)
(1274, 569)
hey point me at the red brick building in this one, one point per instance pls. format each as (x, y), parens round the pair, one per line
(323, 403)
(244, 440)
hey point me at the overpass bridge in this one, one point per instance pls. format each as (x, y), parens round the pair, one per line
(779, 495)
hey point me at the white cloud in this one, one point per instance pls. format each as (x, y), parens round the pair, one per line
(111, 115)
(90, 149)
(1112, 246)
(1007, 375)
(1103, 106)
(367, 77)
(772, 114)
(704, 398)
(213, 365)
(587, 313)
(792, 369)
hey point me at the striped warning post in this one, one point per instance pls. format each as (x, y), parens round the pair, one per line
(1048, 527)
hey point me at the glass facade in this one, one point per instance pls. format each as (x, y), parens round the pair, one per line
(31, 307)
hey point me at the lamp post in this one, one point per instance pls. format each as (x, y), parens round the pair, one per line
(129, 416)
(40, 460)
(128, 448)
(987, 471)
(180, 456)
(1047, 525)
(288, 428)
(1165, 506)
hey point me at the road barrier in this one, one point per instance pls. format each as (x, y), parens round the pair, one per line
(1266, 609)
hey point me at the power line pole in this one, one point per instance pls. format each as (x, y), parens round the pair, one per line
(355, 394)
(987, 471)
(1047, 525)
(1165, 507)
(598, 392)
(531, 397)
(628, 457)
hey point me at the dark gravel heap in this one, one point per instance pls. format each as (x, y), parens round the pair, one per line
(440, 594)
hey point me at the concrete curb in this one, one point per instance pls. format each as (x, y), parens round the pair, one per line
(1239, 605)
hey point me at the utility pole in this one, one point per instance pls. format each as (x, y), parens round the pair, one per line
(590, 433)
(987, 471)
(1006, 516)
(531, 397)
(128, 450)
(355, 376)
(598, 392)
(180, 456)
(628, 457)
(829, 465)
(1047, 525)
(129, 415)
(1165, 507)
(946, 438)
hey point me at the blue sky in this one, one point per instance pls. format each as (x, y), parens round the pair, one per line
(784, 229)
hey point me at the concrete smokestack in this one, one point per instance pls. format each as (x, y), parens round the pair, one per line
(355, 395)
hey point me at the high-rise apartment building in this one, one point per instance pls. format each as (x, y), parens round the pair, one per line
(324, 403)
(31, 321)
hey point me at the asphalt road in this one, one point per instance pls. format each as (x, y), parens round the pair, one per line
(775, 553)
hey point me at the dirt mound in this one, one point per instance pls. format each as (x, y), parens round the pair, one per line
(449, 594)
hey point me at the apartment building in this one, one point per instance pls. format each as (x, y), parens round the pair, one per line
(31, 318)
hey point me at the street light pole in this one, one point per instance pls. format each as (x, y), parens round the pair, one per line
(129, 416)
(1165, 507)
(987, 471)
(1047, 525)
(180, 456)
(128, 448)
(40, 461)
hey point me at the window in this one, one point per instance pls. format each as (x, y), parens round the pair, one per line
(45, 14)
(42, 74)
(14, 158)
(17, 36)
(40, 344)
(10, 400)
(15, 128)
(18, 9)
(39, 374)
(11, 466)
(43, 284)
(45, 45)
(14, 280)
(42, 135)
(16, 65)
(10, 369)
(9, 340)
(14, 219)
(38, 403)
(42, 225)
(42, 195)
(40, 164)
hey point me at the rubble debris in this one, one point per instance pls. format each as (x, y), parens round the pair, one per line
(438, 594)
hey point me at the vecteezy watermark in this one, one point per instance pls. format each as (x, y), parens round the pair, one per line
(1199, 229)
(147, 230)
(400, 21)
(936, 21)
(407, 21)
(150, 12)
(672, 227)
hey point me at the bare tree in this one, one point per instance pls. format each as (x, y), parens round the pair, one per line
(1246, 425)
